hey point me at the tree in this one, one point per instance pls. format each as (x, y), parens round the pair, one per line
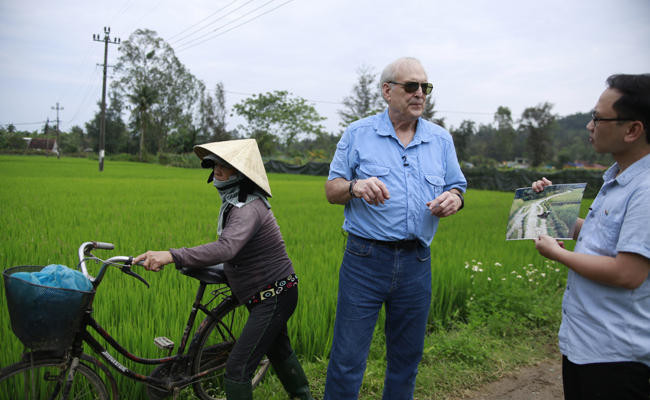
(166, 97)
(279, 115)
(72, 142)
(213, 116)
(429, 112)
(365, 100)
(116, 133)
(12, 139)
(536, 123)
(462, 137)
(142, 98)
(505, 134)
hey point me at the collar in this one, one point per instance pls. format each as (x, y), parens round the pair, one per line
(384, 127)
(639, 166)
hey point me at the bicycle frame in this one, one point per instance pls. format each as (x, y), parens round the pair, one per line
(180, 356)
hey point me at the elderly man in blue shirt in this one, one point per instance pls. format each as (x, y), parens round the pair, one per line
(397, 175)
(605, 332)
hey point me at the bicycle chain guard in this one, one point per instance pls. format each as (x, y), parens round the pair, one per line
(168, 372)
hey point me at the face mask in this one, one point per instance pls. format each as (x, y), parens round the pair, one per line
(232, 181)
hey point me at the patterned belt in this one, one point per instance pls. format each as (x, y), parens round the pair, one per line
(274, 289)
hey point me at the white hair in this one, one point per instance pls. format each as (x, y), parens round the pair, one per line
(390, 71)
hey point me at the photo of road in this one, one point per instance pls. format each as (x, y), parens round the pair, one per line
(552, 212)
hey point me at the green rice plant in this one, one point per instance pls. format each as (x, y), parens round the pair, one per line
(49, 206)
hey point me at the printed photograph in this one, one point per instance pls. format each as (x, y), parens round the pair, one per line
(552, 212)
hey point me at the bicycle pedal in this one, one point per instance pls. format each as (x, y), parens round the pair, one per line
(163, 343)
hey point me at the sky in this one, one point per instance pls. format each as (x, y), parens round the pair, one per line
(479, 55)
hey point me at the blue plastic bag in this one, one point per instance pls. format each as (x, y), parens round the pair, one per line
(57, 276)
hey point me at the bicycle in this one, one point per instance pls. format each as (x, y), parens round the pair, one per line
(71, 373)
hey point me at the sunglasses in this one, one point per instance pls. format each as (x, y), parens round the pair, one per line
(412, 87)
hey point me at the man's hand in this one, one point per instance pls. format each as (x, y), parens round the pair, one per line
(548, 247)
(539, 185)
(154, 260)
(444, 205)
(372, 190)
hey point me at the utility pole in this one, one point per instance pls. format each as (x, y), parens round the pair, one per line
(58, 143)
(102, 126)
(46, 132)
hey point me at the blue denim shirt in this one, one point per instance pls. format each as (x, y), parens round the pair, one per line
(602, 323)
(414, 175)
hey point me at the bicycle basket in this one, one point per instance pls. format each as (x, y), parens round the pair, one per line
(43, 317)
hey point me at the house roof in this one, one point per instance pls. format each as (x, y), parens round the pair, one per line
(41, 143)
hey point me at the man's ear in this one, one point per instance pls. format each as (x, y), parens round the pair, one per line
(385, 90)
(634, 132)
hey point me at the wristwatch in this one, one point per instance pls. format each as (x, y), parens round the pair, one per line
(352, 182)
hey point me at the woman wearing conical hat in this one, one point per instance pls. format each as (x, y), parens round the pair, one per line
(256, 264)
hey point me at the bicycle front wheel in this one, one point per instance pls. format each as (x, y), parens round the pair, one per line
(215, 340)
(43, 379)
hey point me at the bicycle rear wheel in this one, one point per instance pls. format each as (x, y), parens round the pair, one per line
(215, 340)
(41, 379)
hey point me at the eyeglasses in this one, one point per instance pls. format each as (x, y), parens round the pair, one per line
(598, 119)
(412, 87)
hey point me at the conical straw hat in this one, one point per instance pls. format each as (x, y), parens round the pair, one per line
(243, 154)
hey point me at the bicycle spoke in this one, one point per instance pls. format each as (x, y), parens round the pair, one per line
(43, 379)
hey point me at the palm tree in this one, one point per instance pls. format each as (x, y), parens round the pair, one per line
(143, 98)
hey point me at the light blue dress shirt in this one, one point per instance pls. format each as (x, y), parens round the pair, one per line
(602, 323)
(414, 175)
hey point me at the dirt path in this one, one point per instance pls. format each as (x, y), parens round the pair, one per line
(542, 381)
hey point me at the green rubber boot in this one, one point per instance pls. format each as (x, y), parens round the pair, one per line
(293, 378)
(237, 390)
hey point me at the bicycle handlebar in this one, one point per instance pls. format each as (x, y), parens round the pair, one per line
(123, 261)
(104, 245)
(85, 249)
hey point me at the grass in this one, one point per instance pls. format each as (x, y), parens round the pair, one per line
(484, 317)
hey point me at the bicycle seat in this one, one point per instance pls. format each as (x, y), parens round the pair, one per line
(212, 274)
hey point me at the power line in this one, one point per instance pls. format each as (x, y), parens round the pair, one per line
(208, 17)
(89, 89)
(24, 123)
(466, 112)
(188, 46)
(190, 42)
(341, 103)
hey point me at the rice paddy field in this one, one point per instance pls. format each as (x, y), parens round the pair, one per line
(49, 206)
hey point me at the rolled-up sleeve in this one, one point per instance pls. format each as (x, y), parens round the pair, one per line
(454, 178)
(340, 165)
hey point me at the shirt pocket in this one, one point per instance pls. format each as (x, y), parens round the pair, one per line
(369, 170)
(609, 229)
(434, 187)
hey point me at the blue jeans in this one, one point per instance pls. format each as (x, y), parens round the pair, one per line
(372, 275)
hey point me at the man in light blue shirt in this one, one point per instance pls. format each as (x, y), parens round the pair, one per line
(605, 331)
(396, 174)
